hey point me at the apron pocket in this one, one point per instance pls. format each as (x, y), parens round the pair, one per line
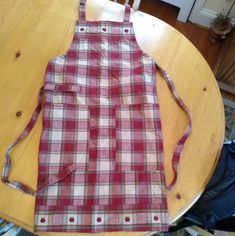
(74, 94)
(139, 138)
(64, 142)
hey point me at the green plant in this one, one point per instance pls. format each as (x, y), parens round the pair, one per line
(221, 18)
(222, 21)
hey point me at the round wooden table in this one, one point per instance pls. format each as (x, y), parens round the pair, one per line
(32, 32)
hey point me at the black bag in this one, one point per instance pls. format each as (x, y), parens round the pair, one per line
(216, 206)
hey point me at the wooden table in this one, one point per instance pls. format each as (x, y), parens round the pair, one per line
(39, 30)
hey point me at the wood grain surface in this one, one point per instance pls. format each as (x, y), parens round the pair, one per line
(34, 31)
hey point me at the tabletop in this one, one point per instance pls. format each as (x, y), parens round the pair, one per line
(32, 32)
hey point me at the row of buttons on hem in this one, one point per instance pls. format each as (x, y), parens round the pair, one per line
(98, 219)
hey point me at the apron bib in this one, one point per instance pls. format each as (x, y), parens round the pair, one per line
(101, 148)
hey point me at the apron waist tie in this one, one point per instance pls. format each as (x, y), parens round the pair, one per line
(181, 142)
(7, 162)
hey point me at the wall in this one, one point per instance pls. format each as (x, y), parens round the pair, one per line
(205, 10)
(219, 6)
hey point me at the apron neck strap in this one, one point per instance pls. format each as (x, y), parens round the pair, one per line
(127, 13)
(82, 10)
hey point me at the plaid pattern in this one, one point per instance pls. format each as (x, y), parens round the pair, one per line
(101, 151)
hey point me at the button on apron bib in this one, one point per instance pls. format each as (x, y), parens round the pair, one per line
(101, 147)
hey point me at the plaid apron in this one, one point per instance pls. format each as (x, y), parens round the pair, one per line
(101, 147)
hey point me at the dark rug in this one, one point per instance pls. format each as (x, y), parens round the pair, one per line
(229, 110)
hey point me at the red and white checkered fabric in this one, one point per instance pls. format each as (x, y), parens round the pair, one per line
(101, 148)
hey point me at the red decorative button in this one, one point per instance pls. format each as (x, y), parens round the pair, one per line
(104, 29)
(155, 218)
(42, 220)
(99, 219)
(82, 29)
(127, 219)
(71, 219)
(126, 30)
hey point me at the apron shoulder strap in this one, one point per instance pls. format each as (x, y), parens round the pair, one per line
(181, 142)
(82, 10)
(127, 13)
(23, 135)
